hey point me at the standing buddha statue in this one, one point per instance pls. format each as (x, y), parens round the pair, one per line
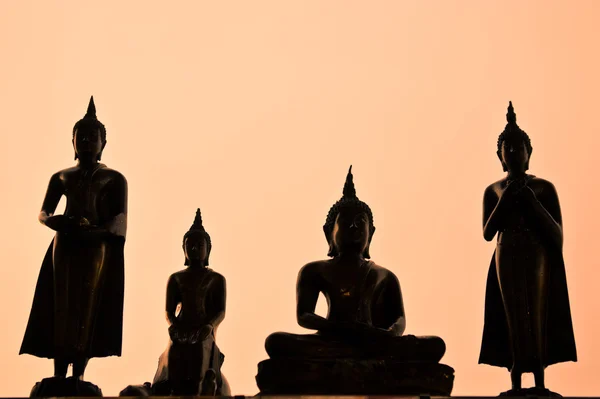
(77, 311)
(528, 322)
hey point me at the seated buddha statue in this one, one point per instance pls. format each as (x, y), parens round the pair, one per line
(365, 320)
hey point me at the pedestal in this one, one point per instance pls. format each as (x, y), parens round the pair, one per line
(64, 387)
(353, 377)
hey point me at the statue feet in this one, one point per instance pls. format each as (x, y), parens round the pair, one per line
(64, 387)
(208, 386)
(536, 392)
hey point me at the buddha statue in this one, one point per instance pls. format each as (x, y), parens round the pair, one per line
(77, 310)
(195, 306)
(364, 327)
(528, 322)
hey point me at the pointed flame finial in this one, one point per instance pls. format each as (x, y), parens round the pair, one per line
(349, 190)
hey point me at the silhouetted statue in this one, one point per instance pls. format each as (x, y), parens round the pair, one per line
(364, 326)
(77, 311)
(191, 364)
(527, 315)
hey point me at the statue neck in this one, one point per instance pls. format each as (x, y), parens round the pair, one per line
(87, 163)
(351, 258)
(516, 175)
(196, 264)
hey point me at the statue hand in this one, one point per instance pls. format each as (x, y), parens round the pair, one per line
(528, 194)
(363, 330)
(200, 334)
(205, 331)
(62, 223)
(511, 192)
(174, 333)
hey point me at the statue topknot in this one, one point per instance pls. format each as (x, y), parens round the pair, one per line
(91, 121)
(198, 228)
(348, 200)
(513, 130)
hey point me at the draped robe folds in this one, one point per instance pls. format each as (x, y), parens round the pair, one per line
(559, 340)
(75, 294)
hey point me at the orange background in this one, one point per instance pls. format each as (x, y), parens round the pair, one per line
(253, 111)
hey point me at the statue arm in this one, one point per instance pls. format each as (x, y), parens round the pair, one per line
(118, 225)
(52, 198)
(219, 299)
(307, 295)
(492, 214)
(173, 299)
(394, 305)
(546, 210)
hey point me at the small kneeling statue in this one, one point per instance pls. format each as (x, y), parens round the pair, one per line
(359, 349)
(191, 364)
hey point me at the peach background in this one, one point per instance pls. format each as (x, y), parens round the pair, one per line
(253, 112)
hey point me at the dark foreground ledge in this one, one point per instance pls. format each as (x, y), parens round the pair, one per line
(330, 397)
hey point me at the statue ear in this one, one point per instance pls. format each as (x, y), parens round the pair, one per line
(101, 150)
(187, 262)
(528, 158)
(332, 251)
(366, 253)
(504, 168)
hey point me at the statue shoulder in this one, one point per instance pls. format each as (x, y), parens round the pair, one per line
(114, 175)
(313, 268)
(538, 182)
(175, 277)
(216, 277)
(495, 188)
(385, 274)
(64, 174)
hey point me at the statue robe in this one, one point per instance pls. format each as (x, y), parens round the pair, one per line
(104, 338)
(560, 340)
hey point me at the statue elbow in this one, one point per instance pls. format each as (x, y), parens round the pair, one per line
(488, 236)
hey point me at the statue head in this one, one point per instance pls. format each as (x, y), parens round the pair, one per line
(514, 145)
(349, 224)
(196, 242)
(89, 135)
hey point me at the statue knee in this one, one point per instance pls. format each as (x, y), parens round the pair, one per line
(273, 342)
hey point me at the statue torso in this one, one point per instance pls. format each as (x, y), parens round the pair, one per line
(518, 227)
(196, 290)
(89, 192)
(351, 294)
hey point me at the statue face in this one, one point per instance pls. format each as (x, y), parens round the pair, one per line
(88, 143)
(351, 231)
(195, 247)
(514, 154)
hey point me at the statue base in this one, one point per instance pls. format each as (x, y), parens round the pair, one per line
(64, 387)
(529, 392)
(353, 377)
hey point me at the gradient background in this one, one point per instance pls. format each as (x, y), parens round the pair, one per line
(253, 111)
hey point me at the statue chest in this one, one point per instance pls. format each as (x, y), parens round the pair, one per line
(195, 296)
(350, 300)
(88, 196)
